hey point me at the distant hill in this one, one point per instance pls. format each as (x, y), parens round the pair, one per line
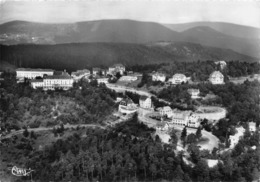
(192, 51)
(210, 37)
(85, 55)
(226, 28)
(126, 31)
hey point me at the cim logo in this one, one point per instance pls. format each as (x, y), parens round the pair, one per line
(21, 171)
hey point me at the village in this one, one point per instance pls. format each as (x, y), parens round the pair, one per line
(163, 119)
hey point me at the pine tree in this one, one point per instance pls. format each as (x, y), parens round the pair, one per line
(25, 133)
(198, 133)
(183, 136)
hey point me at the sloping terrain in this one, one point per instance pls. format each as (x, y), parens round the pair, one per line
(129, 31)
(85, 55)
(226, 28)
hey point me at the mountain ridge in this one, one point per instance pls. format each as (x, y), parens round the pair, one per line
(121, 31)
(83, 55)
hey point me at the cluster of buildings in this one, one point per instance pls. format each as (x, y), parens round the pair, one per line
(215, 78)
(183, 118)
(127, 106)
(178, 117)
(49, 79)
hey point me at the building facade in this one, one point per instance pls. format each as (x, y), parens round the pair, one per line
(127, 106)
(128, 78)
(145, 102)
(158, 77)
(116, 68)
(165, 111)
(185, 118)
(63, 81)
(178, 79)
(29, 73)
(102, 80)
(216, 78)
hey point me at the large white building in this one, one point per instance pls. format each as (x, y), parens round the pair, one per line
(102, 80)
(145, 102)
(158, 77)
(216, 78)
(80, 74)
(116, 68)
(127, 106)
(185, 118)
(128, 78)
(165, 111)
(63, 81)
(178, 79)
(29, 73)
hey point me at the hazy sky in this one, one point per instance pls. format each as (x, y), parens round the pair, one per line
(162, 11)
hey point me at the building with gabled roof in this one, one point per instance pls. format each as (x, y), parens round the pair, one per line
(162, 126)
(156, 76)
(216, 77)
(178, 78)
(145, 102)
(185, 118)
(102, 80)
(165, 111)
(51, 82)
(116, 68)
(32, 73)
(128, 78)
(127, 106)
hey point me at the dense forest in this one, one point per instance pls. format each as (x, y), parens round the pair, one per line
(86, 55)
(131, 152)
(22, 106)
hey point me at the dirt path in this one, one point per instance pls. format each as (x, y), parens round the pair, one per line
(48, 128)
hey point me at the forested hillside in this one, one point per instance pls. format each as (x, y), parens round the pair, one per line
(21, 106)
(78, 56)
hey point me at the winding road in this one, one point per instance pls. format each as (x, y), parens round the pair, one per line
(213, 140)
(48, 128)
(209, 145)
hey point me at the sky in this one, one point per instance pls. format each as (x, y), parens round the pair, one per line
(244, 12)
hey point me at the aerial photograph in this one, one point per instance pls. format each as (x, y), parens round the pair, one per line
(129, 91)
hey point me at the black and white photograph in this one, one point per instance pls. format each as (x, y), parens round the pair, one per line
(129, 91)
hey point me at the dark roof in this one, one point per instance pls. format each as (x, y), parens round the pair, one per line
(36, 80)
(126, 101)
(63, 76)
(143, 97)
(96, 69)
(58, 73)
(33, 69)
